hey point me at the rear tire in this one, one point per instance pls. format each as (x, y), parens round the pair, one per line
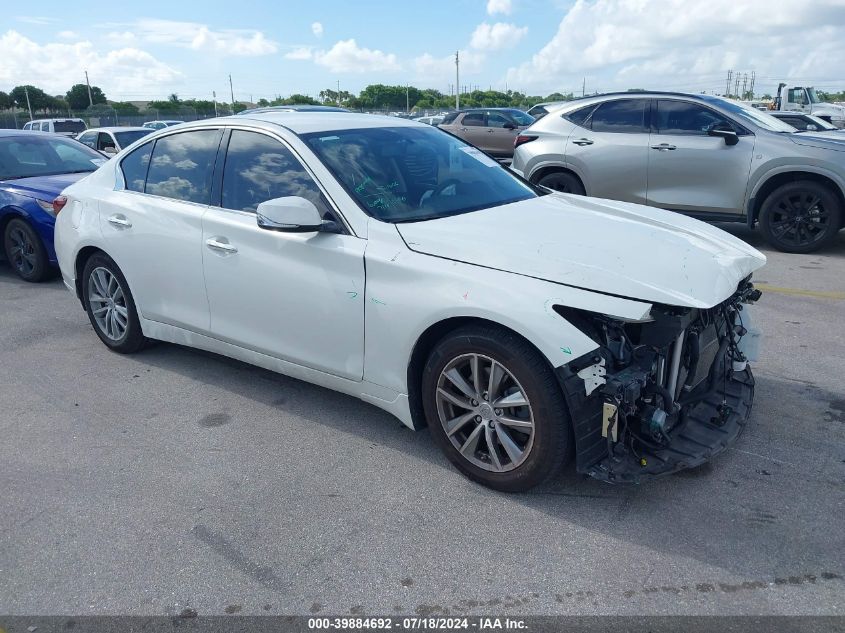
(800, 217)
(110, 305)
(562, 181)
(531, 442)
(25, 252)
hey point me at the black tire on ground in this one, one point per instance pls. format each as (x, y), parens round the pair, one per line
(800, 216)
(562, 181)
(132, 338)
(24, 251)
(550, 447)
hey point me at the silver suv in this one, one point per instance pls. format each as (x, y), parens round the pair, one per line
(705, 156)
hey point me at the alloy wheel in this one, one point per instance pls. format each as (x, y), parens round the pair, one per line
(107, 303)
(799, 219)
(23, 255)
(485, 412)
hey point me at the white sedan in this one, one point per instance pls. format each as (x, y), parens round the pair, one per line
(384, 259)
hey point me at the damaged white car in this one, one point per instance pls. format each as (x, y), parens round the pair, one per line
(385, 259)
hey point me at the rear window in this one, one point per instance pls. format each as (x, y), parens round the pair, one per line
(125, 139)
(449, 118)
(69, 126)
(182, 164)
(623, 116)
(580, 116)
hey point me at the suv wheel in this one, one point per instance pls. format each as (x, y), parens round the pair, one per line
(562, 181)
(800, 217)
(110, 306)
(495, 408)
(24, 251)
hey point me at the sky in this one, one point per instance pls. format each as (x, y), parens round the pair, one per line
(155, 48)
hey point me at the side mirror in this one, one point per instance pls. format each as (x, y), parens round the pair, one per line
(722, 131)
(811, 127)
(111, 150)
(291, 214)
(509, 126)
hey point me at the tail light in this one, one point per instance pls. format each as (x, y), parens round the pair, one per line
(522, 139)
(59, 204)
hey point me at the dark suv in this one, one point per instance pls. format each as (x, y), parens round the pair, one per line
(492, 130)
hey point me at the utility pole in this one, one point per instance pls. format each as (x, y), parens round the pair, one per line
(232, 92)
(457, 81)
(88, 83)
(753, 76)
(736, 86)
(407, 98)
(28, 106)
(338, 92)
(728, 84)
(584, 87)
(214, 97)
(744, 85)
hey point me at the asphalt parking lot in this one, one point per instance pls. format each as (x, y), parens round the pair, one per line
(176, 479)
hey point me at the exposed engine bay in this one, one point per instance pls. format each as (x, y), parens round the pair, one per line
(664, 394)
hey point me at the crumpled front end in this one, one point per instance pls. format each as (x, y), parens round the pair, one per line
(661, 395)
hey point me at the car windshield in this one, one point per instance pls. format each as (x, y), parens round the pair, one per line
(755, 116)
(125, 139)
(69, 126)
(26, 156)
(408, 174)
(814, 98)
(523, 118)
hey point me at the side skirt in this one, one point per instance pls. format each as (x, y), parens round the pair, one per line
(382, 397)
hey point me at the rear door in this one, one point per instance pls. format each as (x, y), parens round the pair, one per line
(688, 170)
(609, 150)
(153, 227)
(470, 127)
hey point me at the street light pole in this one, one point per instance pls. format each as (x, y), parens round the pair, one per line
(232, 92)
(28, 106)
(88, 83)
(457, 81)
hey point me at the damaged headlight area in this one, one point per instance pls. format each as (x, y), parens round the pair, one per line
(663, 394)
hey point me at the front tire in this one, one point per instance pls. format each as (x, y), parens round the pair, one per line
(800, 217)
(495, 408)
(24, 251)
(110, 305)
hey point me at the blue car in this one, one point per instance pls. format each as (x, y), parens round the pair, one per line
(34, 169)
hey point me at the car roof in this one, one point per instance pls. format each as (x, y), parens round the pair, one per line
(8, 133)
(64, 118)
(305, 122)
(117, 128)
(293, 108)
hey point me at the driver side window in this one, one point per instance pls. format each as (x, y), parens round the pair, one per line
(496, 120)
(260, 168)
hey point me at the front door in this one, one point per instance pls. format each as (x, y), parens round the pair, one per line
(501, 133)
(691, 171)
(295, 296)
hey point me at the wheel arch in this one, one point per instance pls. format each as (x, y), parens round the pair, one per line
(774, 181)
(85, 253)
(545, 170)
(423, 347)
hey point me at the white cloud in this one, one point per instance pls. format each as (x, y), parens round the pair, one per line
(301, 53)
(199, 37)
(317, 29)
(347, 57)
(617, 44)
(441, 70)
(35, 19)
(67, 35)
(499, 6)
(56, 66)
(494, 37)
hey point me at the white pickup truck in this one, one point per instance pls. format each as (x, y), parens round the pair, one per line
(804, 99)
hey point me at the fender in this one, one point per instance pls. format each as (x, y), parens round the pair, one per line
(761, 179)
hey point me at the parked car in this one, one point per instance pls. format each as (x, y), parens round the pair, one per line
(384, 259)
(491, 130)
(65, 127)
(293, 108)
(709, 157)
(806, 122)
(436, 119)
(542, 109)
(34, 168)
(110, 140)
(160, 125)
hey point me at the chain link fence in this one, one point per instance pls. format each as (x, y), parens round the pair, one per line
(107, 116)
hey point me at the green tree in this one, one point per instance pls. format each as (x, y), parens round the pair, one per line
(125, 108)
(38, 99)
(77, 96)
(5, 101)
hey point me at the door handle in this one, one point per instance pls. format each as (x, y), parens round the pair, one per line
(224, 247)
(583, 141)
(664, 147)
(463, 129)
(120, 221)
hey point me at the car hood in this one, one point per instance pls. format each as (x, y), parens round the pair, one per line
(42, 187)
(821, 140)
(604, 246)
